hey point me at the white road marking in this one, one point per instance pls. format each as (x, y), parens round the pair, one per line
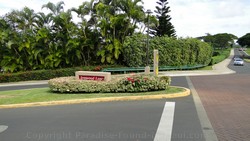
(164, 131)
(3, 128)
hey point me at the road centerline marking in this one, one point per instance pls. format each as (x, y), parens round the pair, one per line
(164, 131)
(3, 128)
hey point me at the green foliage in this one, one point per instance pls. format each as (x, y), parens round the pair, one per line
(244, 40)
(46, 74)
(136, 83)
(134, 50)
(37, 41)
(172, 52)
(116, 21)
(220, 55)
(222, 40)
(36, 75)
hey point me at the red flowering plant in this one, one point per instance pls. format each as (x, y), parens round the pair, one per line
(141, 83)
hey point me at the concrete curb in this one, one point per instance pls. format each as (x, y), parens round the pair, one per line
(95, 100)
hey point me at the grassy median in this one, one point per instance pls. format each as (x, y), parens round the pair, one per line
(45, 95)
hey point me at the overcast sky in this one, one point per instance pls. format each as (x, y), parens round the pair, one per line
(191, 18)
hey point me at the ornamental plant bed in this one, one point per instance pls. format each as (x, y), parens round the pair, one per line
(133, 83)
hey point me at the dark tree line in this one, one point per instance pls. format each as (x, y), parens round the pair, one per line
(221, 40)
(244, 40)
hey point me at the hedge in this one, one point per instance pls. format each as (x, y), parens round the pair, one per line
(172, 51)
(46, 74)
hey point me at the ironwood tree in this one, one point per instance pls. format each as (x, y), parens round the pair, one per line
(164, 27)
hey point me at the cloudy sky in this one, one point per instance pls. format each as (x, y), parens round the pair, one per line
(191, 18)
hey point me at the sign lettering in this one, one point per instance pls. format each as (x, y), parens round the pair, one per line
(88, 77)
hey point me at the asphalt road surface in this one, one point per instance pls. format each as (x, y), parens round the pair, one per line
(118, 121)
(240, 69)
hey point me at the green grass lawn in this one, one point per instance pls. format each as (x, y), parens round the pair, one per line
(247, 60)
(248, 51)
(224, 53)
(44, 94)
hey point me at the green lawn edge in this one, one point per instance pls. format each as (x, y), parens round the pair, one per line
(45, 95)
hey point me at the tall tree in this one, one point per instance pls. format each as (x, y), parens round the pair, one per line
(88, 35)
(56, 9)
(116, 20)
(165, 27)
(220, 40)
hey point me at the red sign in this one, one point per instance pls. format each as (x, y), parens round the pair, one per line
(88, 77)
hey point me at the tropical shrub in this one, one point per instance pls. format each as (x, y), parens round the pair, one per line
(32, 40)
(135, 83)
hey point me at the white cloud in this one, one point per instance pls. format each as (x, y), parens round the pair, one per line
(197, 17)
(190, 17)
(8, 5)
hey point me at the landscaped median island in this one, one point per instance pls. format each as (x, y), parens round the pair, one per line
(132, 83)
(68, 90)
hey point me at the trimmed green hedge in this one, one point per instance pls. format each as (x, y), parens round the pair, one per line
(172, 51)
(37, 75)
(46, 74)
(135, 83)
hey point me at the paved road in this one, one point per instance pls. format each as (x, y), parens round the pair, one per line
(123, 121)
(91, 122)
(226, 100)
(19, 87)
(240, 69)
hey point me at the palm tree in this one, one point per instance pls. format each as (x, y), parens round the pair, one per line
(88, 34)
(133, 10)
(56, 9)
(27, 18)
(43, 21)
(9, 43)
(115, 22)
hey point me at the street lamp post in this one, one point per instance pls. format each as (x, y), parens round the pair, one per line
(147, 68)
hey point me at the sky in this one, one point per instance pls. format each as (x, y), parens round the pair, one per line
(191, 18)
